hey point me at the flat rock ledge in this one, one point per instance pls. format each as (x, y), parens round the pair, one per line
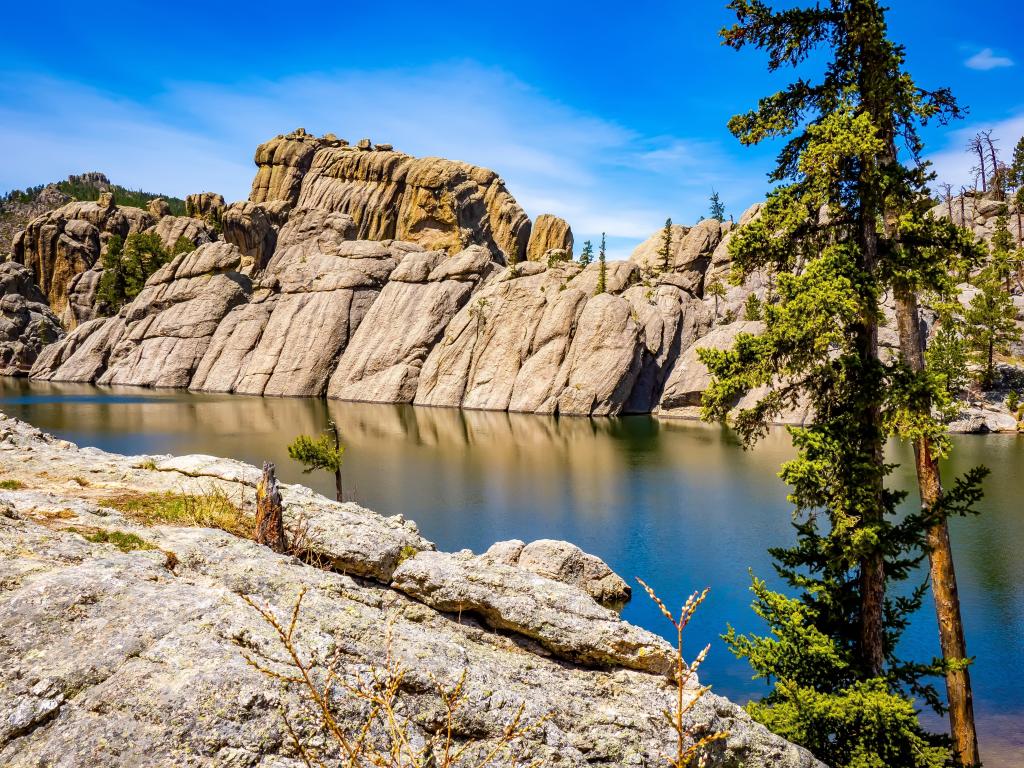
(134, 658)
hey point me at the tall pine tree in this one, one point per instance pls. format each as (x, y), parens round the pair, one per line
(602, 270)
(847, 224)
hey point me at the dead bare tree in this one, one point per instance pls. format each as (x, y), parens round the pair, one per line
(977, 146)
(947, 197)
(994, 165)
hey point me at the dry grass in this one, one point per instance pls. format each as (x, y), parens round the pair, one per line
(210, 508)
(384, 737)
(688, 748)
(11, 485)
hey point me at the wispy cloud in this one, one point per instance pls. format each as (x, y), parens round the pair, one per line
(986, 59)
(596, 173)
(954, 163)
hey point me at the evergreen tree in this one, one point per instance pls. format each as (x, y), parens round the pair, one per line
(665, 251)
(587, 254)
(947, 356)
(717, 207)
(717, 289)
(127, 267)
(1004, 255)
(990, 323)
(182, 245)
(854, 218)
(1015, 179)
(602, 270)
(323, 453)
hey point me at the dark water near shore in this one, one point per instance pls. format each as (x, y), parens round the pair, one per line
(679, 504)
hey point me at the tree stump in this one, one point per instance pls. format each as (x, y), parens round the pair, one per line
(270, 511)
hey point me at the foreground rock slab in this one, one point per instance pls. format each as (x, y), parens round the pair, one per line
(134, 658)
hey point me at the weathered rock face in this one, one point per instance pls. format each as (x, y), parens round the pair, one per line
(128, 658)
(436, 203)
(549, 233)
(382, 363)
(979, 213)
(26, 322)
(564, 562)
(67, 241)
(690, 254)
(205, 205)
(363, 273)
(690, 377)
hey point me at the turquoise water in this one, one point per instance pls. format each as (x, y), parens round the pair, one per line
(679, 504)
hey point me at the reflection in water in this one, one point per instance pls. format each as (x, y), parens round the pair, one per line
(678, 503)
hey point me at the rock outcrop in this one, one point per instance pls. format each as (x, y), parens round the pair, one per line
(361, 273)
(549, 233)
(435, 203)
(26, 322)
(67, 241)
(136, 655)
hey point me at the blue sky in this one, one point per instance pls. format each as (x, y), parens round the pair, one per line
(609, 114)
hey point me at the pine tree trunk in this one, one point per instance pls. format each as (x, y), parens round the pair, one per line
(872, 565)
(940, 558)
(270, 511)
(337, 471)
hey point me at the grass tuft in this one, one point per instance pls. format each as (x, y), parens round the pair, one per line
(11, 485)
(207, 509)
(126, 542)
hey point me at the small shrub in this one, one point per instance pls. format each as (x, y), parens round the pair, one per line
(207, 509)
(1013, 400)
(182, 245)
(384, 737)
(323, 453)
(82, 482)
(752, 309)
(11, 485)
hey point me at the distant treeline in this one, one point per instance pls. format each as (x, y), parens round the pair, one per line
(83, 190)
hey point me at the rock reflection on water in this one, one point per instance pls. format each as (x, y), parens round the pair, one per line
(678, 503)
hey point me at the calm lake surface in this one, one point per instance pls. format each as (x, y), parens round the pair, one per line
(679, 504)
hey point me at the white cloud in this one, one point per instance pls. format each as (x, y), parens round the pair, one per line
(596, 173)
(986, 59)
(954, 163)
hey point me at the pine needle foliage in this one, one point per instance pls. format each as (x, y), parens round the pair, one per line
(846, 224)
(127, 267)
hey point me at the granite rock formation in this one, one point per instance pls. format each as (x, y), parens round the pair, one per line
(26, 322)
(135, 657)
(435, 203)
(549, 233)
(361, 273)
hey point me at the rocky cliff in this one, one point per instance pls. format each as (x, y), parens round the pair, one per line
(125, 642)
(361, 273)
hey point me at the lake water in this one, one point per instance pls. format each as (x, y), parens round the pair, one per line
(679, 504)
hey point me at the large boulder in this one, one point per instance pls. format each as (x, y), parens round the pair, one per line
(690, 255)
(549, 233)
(309, 300)
(382, 362)
(562, 618)
(564, 562)
(690, 377)
(26, 322)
